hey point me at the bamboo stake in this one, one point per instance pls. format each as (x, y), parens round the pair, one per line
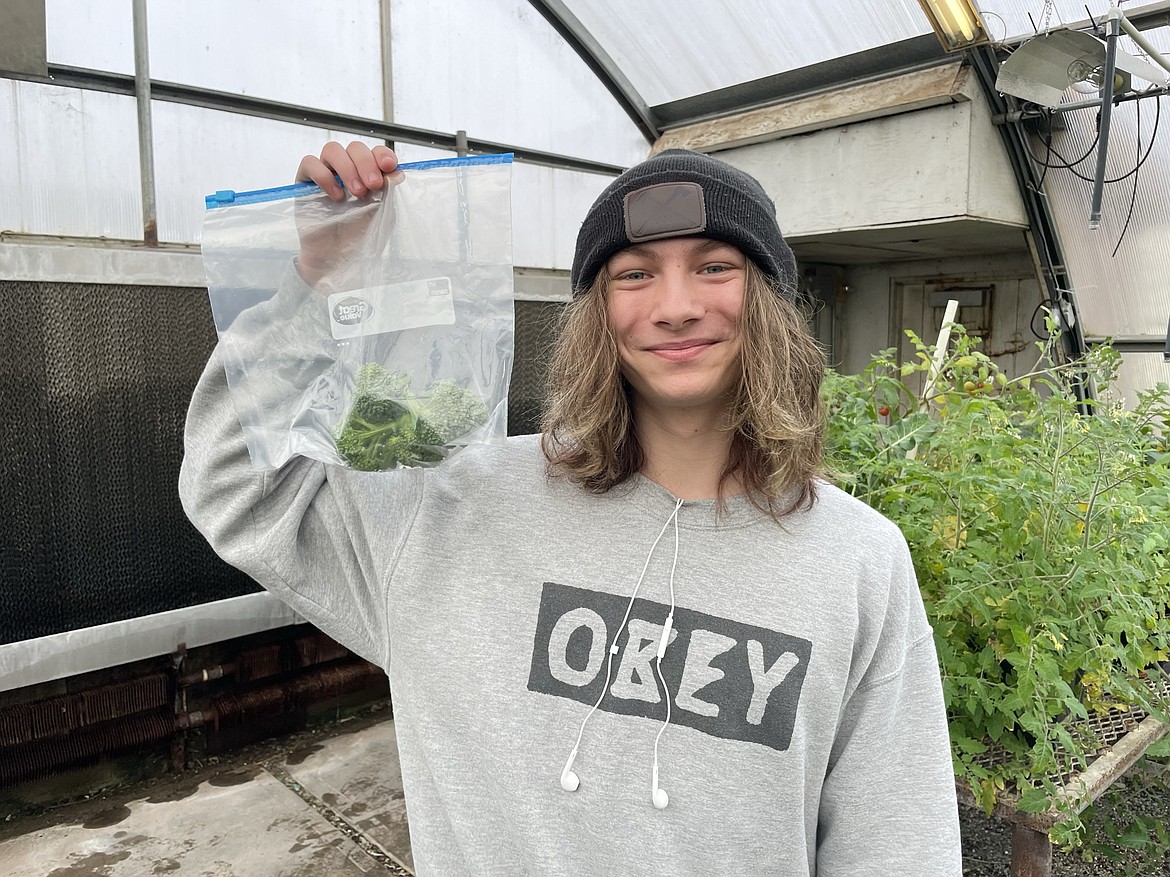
(940, 354)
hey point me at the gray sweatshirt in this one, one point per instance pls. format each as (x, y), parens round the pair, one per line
(807, 732)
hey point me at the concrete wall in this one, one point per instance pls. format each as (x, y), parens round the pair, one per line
(880, 301)
(939, 163)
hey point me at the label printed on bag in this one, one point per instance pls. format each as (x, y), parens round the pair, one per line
(391, 308)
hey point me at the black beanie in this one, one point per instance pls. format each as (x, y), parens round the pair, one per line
(680, 193)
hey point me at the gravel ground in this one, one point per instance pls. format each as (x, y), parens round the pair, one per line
(1143, 794)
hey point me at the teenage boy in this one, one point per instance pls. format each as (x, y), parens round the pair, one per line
(651, 639)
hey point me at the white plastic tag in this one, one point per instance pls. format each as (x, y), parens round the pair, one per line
(391, 308)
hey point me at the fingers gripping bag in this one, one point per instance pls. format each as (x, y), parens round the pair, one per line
(372, 333)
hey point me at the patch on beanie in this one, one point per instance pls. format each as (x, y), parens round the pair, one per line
(665, 210)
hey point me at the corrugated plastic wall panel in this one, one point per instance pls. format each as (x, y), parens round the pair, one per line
(1127, 294)
(497, 69)
(198, 151)
(313, 53)
(97, 34)
(71, 162)
(1009, 18)
(1141, 371)
(672, 50)
(547, 208)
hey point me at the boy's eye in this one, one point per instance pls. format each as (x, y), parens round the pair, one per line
(715, 269)
(632, 275)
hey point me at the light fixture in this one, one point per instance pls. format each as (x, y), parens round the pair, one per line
(1045, 66)
(1042, 69)
(956, 22)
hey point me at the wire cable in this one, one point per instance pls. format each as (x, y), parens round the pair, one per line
(612, 648)
(1050, 151)
(1133, 194)
(662, 647)
(1043, 336)
(1065, 164)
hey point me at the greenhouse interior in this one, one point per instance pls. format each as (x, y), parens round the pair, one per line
(976, 194)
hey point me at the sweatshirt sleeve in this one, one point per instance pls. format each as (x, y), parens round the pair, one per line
(888, 803)
(319, 537)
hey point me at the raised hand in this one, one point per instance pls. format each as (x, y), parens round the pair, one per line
(331, 235)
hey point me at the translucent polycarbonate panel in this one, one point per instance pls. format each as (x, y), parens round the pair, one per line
(1010, 19)
(1141, 371)
(409, 152)
(313, 53)
(679, 49)
(1119, 270)
(71, 162)
(497, 70)
(198, 151)
(547, 208)
(97, 34)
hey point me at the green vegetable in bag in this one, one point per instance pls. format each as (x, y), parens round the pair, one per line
(388, 426)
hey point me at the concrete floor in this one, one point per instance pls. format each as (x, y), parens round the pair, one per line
(332, 808)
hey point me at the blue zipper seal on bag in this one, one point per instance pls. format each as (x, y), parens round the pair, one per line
(231, 198)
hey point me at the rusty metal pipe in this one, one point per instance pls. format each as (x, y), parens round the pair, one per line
(272, 660)
(36, 757)
(209, 674)
(57, 717)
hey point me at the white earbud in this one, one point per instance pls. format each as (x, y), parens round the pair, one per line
(569, 780)
(659, 796)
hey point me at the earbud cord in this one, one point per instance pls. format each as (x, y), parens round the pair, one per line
(629, 609)
(670, 622)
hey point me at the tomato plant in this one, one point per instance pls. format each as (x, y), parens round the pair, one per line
(1039, 524)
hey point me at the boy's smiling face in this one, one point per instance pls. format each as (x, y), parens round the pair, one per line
(674, 306)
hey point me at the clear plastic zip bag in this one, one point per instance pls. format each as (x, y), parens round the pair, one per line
(373, 333)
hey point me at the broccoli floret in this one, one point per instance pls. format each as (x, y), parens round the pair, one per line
(377, 392)
(426, 434)
(372, 443)
(388, 426)
(451, 411)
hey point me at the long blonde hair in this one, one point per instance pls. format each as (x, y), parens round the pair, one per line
(776, 415)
